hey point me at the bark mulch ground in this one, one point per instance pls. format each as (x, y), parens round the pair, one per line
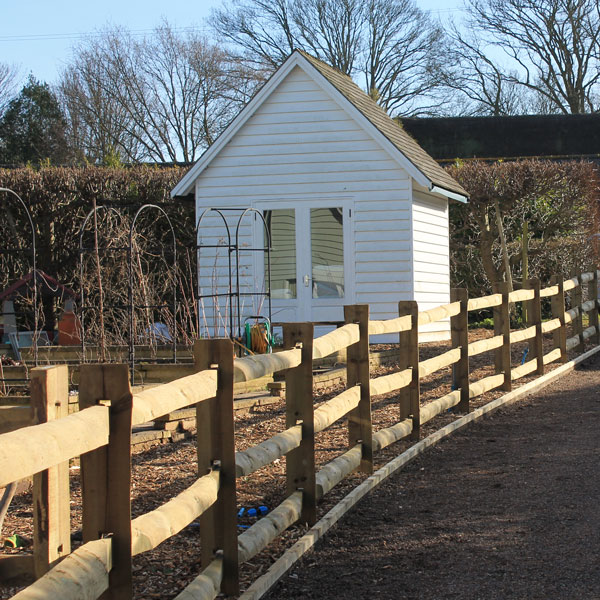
(508, 508)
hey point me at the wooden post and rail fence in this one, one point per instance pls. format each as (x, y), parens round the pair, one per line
(100, 433)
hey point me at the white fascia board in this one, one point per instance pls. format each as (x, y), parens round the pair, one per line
(435, 189)
(356, 114)
(186, 185)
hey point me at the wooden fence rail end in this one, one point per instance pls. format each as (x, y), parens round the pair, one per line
(336, 340)
(486, 345)
(38, 447)
(82, 575)
(438, 406)
(207, 585)
(153, 528)
(169, 397)
(264, 531)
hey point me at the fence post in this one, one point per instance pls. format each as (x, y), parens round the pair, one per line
(593, 314)
(558, 312)
(51, 496)
(106, 472)
(358, 373)
(218, 526)
(502, 359)
(576, 302)
(299, 408)
(410, 397)
(206, 453)
(534, 318)
(459, 329)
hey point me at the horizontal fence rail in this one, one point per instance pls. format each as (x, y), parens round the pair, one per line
(101, 432)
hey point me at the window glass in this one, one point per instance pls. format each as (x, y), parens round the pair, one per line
(281, 224)
(327, 252)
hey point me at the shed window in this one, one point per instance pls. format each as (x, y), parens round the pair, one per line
(282, 229)
(327, 252)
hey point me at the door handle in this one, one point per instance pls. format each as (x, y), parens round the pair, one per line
(306, 281)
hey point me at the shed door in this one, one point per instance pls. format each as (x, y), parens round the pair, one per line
(311, 278)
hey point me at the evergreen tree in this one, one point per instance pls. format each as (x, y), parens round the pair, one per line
(33, 128)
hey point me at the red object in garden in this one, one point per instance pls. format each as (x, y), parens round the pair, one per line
(69, 330)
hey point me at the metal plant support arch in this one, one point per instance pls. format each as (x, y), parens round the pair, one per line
(233, 248)
(34, 273)
(199, 246)
(132, 307)
(82, 251)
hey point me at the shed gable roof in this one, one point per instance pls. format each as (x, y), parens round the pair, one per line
(419, 162)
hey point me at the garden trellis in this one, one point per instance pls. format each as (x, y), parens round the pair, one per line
(123, 308)
(234, 293)
(31, 250)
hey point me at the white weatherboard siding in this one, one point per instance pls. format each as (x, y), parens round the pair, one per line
(301, 145)
(431, 259)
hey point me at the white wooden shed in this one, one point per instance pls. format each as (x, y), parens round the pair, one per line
(357, 210)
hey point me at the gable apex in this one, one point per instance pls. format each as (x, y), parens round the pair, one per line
(359, 106)
(186, 185)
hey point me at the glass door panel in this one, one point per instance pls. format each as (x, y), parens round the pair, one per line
(281, 224)
(311, 261)
(327, 252)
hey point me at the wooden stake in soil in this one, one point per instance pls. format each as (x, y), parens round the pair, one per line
(558, 312)
(51, 498)
(360, 428)
(502, 360)
(410, 402)
(459, 327)
(106, 473)
(299, 408)
(534, 318)
(222, 532)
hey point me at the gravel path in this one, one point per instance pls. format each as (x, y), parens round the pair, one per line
(507, 508)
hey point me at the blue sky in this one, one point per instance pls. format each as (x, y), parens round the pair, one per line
(38, 35)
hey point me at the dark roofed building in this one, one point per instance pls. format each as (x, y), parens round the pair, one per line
(526, 136)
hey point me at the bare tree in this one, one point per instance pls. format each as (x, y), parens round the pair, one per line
(331, 30)
(393, 46)
(99, 124)
(8, 81)
(405, 56)
(482, 85)
(164, 97)
(553, 46)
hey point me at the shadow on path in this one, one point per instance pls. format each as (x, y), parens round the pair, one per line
(507, 508)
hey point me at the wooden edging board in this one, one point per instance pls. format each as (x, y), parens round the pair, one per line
(282, 565)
